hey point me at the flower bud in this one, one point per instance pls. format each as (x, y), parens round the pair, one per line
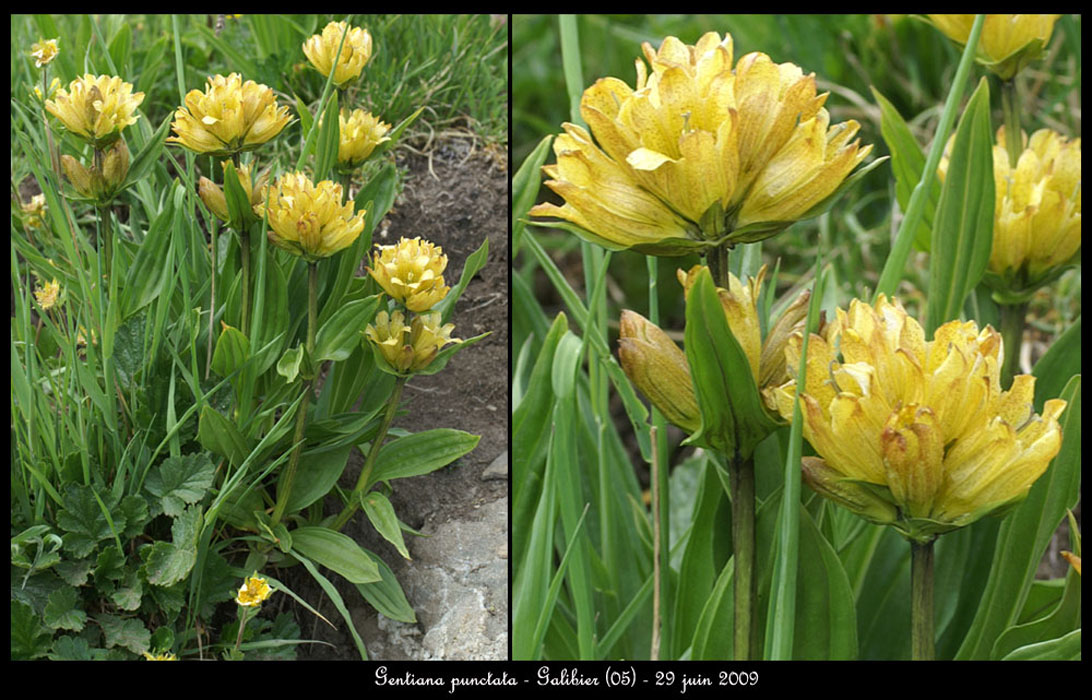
(213, 197)
(79, 176)
(656, 366)
(115, 166)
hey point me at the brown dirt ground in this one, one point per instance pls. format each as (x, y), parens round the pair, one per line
(455, 197)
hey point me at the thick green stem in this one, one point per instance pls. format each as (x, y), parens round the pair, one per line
(1012, 331)
(301, 417)
(373, 454)
(1011, 111)
(717, 262)
(741, 473)
(921, 602)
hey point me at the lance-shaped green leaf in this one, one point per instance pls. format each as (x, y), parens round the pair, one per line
(387, 596)
(381, 514)
(240, 212)
(338, 337)
(151, 266)
(421, 453)
(475, 262)
(733, 419)
(328, 139)
(525, 187)
(907, 163)
(1058, 365)
(963, 227)
(232, 350)
(220, 435)
(336, 551)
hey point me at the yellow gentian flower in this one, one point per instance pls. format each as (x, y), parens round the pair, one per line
(426, 336)
(411, 272)
(308, 219)
(698, 150)
(230, 116)
(254, 591)
(321, 49)
(1007, 42)
(96, 108)
(44, 52)
(916, 433)
(360, 133)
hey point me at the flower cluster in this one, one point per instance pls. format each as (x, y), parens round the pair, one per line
(411, 273)
(1007, 43)
(916, 433)
(322, 49)
(703, 149)
(309, 220)
(360, 133)
(96, 108)
(1037, 209)
(229, 117)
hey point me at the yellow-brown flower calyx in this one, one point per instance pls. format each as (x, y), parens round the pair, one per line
(322, 49)
(412, 348)
(213, 195)
(411, 273)
(99, 182)
(658, 367)
(96, 109)
(1007, 42)
(309, 220)
(44, 52)
(229, 117)
(1037, 212)
(698, 154)
(254, 591)
(360, 132)
(912, 433)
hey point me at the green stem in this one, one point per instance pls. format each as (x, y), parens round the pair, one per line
(1012, 332)
(244, 252)
(741, 473)
(244, 614)
(921, 602)
(1010, 109)
(107, 240)
(301, 417)
(373, 454)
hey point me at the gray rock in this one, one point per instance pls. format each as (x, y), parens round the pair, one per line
(497, 469)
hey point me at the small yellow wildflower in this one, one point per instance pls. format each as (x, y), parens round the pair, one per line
(47, 295)
(253, 591)
(34, 211)
(44, 51)
(161, 656)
